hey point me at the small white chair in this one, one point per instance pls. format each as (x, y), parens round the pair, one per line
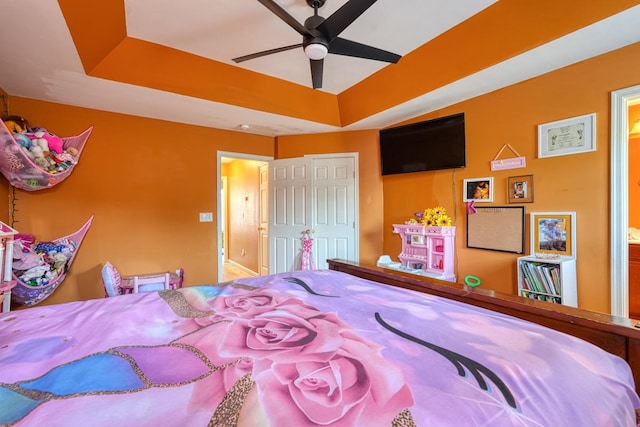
(151, 283)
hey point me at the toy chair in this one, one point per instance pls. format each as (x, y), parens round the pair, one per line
(150, 283)
(115, 284)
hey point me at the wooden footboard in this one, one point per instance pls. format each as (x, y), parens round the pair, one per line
(617, 335)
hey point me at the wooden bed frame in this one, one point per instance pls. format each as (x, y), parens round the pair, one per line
(617, 335)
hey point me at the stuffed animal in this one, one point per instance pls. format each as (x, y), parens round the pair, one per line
(54, 142)
(24, 239)
(15, 124)
(23, 141)
(41, 152)
(34, 273)
(24, 258)
(58, 260)
(37, 155)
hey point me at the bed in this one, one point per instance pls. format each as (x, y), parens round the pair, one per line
(306, 348)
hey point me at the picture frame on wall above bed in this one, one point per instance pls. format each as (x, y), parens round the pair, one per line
(520, 189)
(553, 234)
(569, 136)
(478, 190)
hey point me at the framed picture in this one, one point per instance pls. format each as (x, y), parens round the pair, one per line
(568, 136)
(478, 190)
(553, 234)
(520, 189)
(417, 239)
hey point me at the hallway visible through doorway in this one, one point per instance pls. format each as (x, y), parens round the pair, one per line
(232, 271)
(238, 213)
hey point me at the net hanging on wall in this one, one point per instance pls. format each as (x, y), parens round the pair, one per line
(21, 171)
(28, 293)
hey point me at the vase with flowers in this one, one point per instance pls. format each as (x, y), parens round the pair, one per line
(432, 217)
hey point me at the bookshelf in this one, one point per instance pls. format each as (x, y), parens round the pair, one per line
(427, 251)
(552, 280)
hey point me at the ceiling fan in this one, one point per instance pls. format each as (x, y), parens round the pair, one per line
(320, 36)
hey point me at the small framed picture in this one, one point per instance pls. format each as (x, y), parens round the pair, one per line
(417, 239)
(520, 189)
(568, 136)
(478, 190)
(553, 234)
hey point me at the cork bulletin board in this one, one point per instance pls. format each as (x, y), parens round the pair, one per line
(497, 228)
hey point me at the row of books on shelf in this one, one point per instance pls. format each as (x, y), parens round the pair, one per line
(542, 297)
(540, 277)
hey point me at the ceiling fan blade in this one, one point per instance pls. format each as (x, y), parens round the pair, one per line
(265, 53)
(316, 72)
(282, 14)
(346, 47)
(343, 17)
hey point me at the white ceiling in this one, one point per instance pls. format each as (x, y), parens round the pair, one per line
(38, 58)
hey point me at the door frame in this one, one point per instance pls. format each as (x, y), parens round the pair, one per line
(619, 195)
(234, 155)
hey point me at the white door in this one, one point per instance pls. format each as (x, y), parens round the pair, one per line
(334, 207)
(290, 205)
(312, 193)
(263, 220)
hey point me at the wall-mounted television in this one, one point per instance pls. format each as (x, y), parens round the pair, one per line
(424, 146)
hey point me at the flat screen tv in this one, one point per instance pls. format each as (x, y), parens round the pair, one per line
(425, 146)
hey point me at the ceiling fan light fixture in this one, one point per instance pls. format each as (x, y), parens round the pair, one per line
(316, 51)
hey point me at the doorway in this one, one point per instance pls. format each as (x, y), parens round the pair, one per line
(620, 102)
(228, 270)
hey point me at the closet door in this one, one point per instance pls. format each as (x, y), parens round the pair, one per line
(334, 209)
(290, 205)
(318, 193)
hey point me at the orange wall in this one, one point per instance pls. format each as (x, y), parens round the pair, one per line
(371, 197)
(634, 170)
(577, 183)
(146, 182)
(243, 182)
(147, 197)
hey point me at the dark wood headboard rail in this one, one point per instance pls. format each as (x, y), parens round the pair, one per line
(617, 335)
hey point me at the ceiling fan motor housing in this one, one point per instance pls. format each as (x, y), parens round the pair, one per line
(316, 46)
(316, 3)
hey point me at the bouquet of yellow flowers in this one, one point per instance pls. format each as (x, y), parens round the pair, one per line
(432, 217)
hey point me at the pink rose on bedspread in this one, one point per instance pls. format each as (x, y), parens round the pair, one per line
(289, 332)
(251, 303)
(356, 387)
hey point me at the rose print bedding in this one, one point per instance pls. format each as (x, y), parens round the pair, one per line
(309, 348)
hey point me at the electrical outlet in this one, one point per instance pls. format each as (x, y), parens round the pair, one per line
(206, 217)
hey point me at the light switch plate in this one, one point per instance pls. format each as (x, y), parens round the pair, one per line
(206, 216)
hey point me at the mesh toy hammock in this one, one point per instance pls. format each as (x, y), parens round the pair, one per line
(28, 295)
(20, 170)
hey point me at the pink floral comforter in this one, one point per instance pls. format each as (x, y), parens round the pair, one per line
(309, 348)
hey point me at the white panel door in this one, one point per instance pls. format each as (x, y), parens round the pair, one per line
(290, 183)
(334, 205)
